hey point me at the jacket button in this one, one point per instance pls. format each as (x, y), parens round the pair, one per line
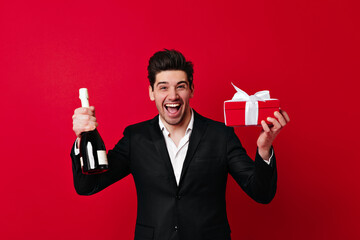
(178, 197)
(176, 228)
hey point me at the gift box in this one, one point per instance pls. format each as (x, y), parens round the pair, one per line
(245, 110)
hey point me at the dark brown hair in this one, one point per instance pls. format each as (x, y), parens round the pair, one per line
(169, 60)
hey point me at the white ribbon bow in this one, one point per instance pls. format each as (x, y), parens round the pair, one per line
(252, 106)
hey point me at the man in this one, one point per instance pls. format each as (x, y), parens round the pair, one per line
(180, 160)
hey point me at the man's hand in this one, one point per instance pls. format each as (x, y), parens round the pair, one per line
(268, 134)
(84, 120)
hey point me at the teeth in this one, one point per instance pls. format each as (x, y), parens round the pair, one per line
(172, 105)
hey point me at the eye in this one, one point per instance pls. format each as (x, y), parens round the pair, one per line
(182, 86)
(162, 87)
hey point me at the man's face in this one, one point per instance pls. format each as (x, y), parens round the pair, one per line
(171, 95)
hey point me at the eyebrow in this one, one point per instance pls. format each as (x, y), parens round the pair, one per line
(181, 82)
(161, 83)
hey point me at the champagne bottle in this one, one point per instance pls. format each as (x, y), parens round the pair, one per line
(93, 157)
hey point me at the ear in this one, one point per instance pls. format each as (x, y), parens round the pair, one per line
(192, 90)
(151, 93)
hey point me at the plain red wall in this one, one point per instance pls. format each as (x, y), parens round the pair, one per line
(305, 52)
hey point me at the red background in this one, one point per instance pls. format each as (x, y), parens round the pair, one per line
(305, 52)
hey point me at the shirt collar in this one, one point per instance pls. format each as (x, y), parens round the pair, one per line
(189, 127)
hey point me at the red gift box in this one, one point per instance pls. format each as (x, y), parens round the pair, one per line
(245, 110)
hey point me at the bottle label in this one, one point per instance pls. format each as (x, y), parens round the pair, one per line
(102, 157)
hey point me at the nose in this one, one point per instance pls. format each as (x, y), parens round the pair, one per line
(173, 95)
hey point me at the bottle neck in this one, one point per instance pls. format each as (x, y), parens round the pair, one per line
(84, 102)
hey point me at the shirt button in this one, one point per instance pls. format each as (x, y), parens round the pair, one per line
(176, 228)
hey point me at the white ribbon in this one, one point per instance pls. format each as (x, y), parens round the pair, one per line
(252, 106)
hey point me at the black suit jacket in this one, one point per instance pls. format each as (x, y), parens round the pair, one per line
(196, 209)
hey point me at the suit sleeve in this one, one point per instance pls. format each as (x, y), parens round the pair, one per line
(256, 178)
(119, 167)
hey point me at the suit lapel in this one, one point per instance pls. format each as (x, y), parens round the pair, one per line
(196, 135)
(160, 145)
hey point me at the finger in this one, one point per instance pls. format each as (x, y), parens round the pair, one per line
(84, 117)
(277, 125)
(84, 120)
(280, 118)
(79, 110)
(265, 126)
(81, 127)
(286, 116)
(90, 127)
(83, 111)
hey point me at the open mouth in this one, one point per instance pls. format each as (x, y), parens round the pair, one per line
(172, 108)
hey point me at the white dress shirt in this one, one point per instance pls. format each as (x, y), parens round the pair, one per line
(177, 153)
